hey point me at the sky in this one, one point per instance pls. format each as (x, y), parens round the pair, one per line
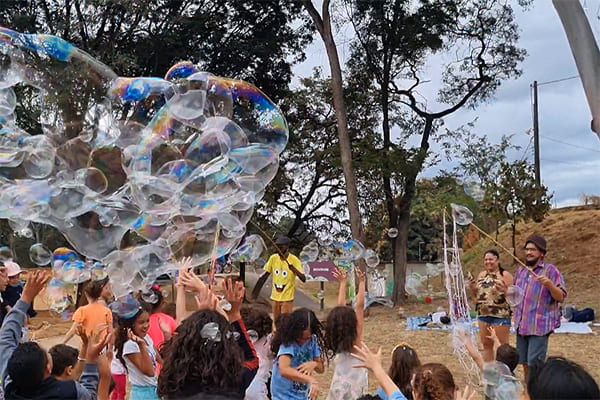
(569, 150)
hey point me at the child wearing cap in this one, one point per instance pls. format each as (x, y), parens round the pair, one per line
(14, 289)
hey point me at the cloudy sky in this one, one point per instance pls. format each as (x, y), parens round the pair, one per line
(569, 150)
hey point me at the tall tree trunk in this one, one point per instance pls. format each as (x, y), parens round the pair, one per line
(323, 25)
(400, 256)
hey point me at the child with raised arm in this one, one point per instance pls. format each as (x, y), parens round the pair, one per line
(26, 368)
(343, 331)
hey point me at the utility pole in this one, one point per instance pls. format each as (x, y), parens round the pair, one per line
(536, 136)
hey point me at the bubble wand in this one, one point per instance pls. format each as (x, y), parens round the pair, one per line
(504, 248)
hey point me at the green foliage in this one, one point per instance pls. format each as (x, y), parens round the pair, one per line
(517, 197)
(256, 41)
(308, 193)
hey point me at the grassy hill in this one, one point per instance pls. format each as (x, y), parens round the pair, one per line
(573, 236)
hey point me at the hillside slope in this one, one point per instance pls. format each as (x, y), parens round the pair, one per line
(573, 236)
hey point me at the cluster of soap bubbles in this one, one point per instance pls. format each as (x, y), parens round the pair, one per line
(343, 254)
(68, 270)
(179, 161)
(250, 250)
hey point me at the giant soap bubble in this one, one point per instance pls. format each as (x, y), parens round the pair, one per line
(179, 161)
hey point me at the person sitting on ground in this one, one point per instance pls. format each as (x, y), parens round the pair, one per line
(559, 378)
(25, 369)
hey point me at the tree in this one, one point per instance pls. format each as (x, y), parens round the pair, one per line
(394, 39)
(323, 24)
(517, 197)
(308, 190)
(146, 37)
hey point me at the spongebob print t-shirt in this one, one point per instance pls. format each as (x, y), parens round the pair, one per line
(285, 389)
(284, 279)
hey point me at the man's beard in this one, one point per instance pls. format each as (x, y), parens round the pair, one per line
(532, 263)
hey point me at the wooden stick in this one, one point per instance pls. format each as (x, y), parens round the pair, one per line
(504, 248)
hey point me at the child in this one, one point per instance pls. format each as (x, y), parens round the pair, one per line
(343, 331)
(12, 293)
(559, 378)
(209, 357)
(64, 360)
(404, 363)
(162, 325)
(504, 353)
(25, 369)
(117, 370)
(95, 315)
(136, 352)
(261, 323)
(297, 346)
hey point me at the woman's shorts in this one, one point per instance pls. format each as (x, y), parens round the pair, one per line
(494, 320)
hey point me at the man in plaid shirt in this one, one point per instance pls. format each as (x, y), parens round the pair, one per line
(538, 314)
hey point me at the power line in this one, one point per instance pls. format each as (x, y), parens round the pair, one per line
(558, 80)
(569, 144)
(560, 162)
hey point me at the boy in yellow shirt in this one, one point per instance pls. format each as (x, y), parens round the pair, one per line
(284, 267)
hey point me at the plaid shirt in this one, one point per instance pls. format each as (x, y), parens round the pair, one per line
(538, 314)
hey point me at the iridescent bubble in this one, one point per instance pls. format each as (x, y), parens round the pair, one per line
(39, 254)
(5, 254)
(57, 296)
(392, 232)
(149, 297)
(180, 161)
(514, 295)
(461, 214)
(354, 249)
(125, 306)
(371, 258)
(250, 249)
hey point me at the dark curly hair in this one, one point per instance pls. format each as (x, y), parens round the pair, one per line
(404, 363)
(193, 365)
(257, 320)
(123, 325)
(434, 382)
(340, 329)
(292, 327)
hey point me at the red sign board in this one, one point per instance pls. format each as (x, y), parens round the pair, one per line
(322, 270)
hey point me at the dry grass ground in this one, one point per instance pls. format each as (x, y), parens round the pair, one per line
(573, 245)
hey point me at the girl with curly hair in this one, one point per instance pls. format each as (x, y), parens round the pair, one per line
(343, 331)
(297, 347)
(209, 356)
(259, 325)
(136, 352)
(433, 381)
(404, 362)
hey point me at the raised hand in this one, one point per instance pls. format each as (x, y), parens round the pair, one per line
(492, 333)
(360, 275)
(369, 360)
(36, 282)
(191, 281)
(206, 299)
(98, 344)
(340, 274)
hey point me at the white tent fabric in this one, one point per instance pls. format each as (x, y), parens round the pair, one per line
(585, 51)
